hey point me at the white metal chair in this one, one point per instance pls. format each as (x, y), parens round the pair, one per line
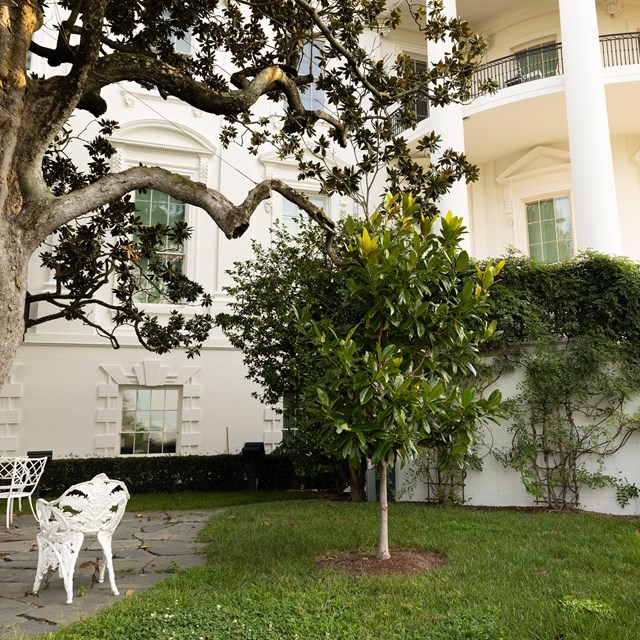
(95, 508)
(19, 477)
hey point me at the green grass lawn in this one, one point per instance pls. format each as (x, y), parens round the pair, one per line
(512, 575)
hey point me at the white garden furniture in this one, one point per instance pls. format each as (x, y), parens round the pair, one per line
(19, 477)
(95, 508)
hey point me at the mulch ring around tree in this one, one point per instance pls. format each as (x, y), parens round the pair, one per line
(362, 561)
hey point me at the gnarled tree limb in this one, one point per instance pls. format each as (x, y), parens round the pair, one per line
(232, 219)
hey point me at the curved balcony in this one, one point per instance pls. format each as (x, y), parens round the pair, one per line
(545, 61)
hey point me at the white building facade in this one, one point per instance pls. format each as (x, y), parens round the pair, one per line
(558, 146)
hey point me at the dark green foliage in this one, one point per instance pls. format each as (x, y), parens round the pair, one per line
(174, 474)
(594, 294)
(293, 271)
(574, 328)
(366, 100)
(113, 247)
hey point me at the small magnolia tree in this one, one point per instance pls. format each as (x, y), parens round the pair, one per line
(390, 382)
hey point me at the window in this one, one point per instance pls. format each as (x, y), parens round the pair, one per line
(155, 207)
(180, 45)
(538, 62)
(291, 213)
(549, 229)
(149, 420)
(422, 104)
(312, 97)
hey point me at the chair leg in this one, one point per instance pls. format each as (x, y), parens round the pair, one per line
(33, 511)
(9, 511)
(61, 555)
(105, 542)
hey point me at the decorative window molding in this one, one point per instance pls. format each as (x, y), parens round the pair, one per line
(292, 213)
(180, 149)
(550, 229)
(541, 173)
(163, 137)
(286, 170)
(148, 373)
(10, 393)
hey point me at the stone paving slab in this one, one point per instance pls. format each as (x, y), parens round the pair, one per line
(148, 547)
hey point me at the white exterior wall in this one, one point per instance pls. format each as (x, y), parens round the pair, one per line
(65, 399)
(496, 486)
(527, 122)
(64, 393)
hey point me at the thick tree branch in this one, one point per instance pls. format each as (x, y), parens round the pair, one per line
(119, 67)
(231, 219)
(55, 99)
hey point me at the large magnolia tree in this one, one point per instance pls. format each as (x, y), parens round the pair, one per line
(103, 42)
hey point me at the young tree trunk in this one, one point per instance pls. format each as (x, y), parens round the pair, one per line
(383, 539)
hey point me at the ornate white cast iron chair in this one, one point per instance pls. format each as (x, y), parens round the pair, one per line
(19, 477)
(94, 507)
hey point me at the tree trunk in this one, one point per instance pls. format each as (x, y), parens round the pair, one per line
(383, 539)
(13, 289)
(18, 21)
(357, 480)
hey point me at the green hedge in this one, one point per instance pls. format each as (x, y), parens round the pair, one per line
(172, 474)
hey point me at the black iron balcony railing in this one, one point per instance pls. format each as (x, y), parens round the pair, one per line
(421, 112)
(618, 49)
(518, 68)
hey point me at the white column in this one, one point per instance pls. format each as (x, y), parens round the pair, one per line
(447, 123)
(594, 191)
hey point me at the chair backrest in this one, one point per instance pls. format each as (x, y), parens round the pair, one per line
(21, 474)
(90, 507)
(7, 465)
(28, 472)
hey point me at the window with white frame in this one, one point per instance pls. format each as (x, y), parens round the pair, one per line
(539, 61)
(291, 213)
(154, 207)
(422, 104)
(150, 419)
(312, 97)
(180, 44)
(549, 229)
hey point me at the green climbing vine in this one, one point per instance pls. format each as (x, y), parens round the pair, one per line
(573, 329)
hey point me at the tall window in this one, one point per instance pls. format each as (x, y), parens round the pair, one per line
(549, 229)
(422, 104)
(291, 213)
(312, 97)
(180, 45)
(155, 207)
(183, 45)
(538, 62)
(149, 420)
